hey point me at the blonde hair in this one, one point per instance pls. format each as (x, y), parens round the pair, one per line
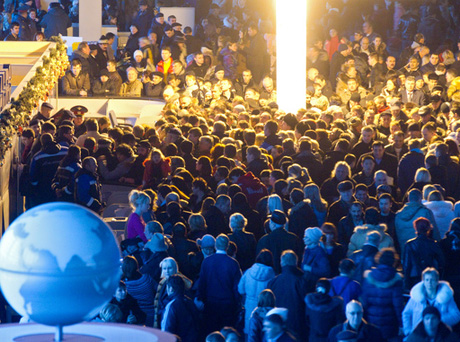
(311, 192)
(344, 164)
(422, 175)
(238, 221)
(274, 202)
(172, 262)
(137, 198)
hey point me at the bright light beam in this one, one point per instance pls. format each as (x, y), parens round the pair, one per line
(291, 54)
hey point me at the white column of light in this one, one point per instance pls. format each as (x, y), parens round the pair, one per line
(291, 54)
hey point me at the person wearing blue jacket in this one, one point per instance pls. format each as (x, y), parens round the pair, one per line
(87, 186)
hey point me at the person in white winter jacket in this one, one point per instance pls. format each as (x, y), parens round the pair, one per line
(430, 292)
(254, 281)
(443, 211)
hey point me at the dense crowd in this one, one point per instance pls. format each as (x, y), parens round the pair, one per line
(339, 222)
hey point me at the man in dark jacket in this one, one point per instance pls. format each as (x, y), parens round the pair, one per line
(306, 158)
(158, 26)
(218, 287)
(383, 160)
(366, 332)
(301, 215)
(256, 164)
(181, 315)
(431, 328)
(409, 164)
(217, 216)
(279, 239)
(290, 289)
(364, 258)
(143, 19)
(56, 21)
(198, 66)
(256, 53)
(27, 27)
(43, 167)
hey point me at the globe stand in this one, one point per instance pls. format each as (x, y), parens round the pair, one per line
(59, 335)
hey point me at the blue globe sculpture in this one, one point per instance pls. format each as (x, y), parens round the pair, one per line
(59, 264)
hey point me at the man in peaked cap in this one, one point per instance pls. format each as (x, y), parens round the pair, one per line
(27, 27)
(44, 113)
(79, 121)
(279, 239)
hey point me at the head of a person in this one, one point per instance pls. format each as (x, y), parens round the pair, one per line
(342, 171)
(354, 313)
(277, 220)
(266, 299)
(312, 236)
(357, 211)
(415, 196)
(430, 279)
(431, 320)
(168, 267)
(274, 326)
(139, 199)
(422, 226)
(347, 267)
(75, 67)
(237, 222)
(422, 176)
(131, 74)
(345, 190)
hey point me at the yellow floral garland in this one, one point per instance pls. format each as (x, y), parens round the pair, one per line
(37, 89)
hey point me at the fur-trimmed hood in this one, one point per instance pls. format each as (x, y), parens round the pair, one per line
(444, 293)
(364, 229)
(382, 277)
(441, 208)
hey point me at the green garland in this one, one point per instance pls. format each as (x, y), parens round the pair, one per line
(17, 115)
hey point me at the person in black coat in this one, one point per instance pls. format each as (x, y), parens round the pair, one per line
(143, 19)
(348, 223)
(341, 207)
(307, 159)
(323, 311)
(128, 305)
(240, 205)
(183, 247)
(421, 252)
(383, 294)
(181, 316)
(290, 289)
(383, 160)
(355, 322)
(245, 242)
(218, 287)
(450, 247)
(256, 53)
(364, 258)
(216, 216)
(301, 215)
(279, 239)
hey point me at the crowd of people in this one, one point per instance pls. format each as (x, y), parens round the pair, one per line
(340, 222)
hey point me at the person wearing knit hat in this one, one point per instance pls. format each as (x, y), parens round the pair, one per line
(315, 261)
